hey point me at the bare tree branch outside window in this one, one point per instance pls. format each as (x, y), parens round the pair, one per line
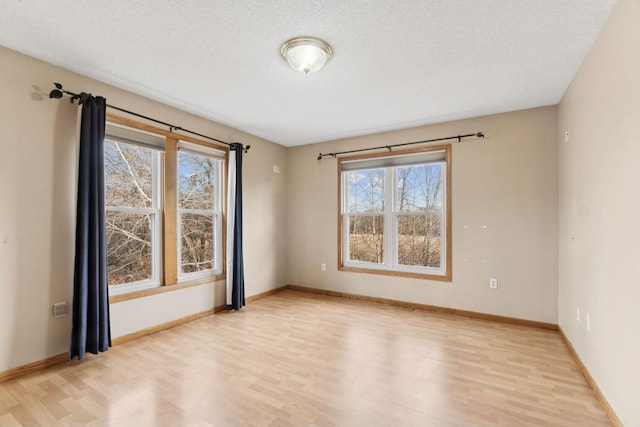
(129, 216)
(132, 196)
(196, 208)
(419, 205)
(418, 209)
(366, 215)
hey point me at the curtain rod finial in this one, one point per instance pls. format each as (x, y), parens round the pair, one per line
(55, 94)
(480, 135)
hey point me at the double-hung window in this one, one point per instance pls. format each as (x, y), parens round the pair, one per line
(164, 215)
(395, 214)
(199, 211)
(133, 200)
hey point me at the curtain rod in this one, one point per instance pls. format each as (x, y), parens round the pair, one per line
(389, 147)
(59, 93)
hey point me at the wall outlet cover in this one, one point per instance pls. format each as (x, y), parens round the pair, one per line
(60, 309)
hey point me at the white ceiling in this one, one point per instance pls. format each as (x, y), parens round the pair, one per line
(396, 64)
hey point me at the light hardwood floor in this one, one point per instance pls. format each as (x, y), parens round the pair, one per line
(297, 359)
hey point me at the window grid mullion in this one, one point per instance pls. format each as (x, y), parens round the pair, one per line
(156, 234)
(389, 229)
(443, 217)
(198, 211)
(380, 213)
(126, 209)
(345, 216)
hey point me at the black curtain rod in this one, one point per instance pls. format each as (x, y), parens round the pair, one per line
(389, 147)
(59, 93)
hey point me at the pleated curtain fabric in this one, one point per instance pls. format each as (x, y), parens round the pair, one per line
(235, 258)
(90, 329)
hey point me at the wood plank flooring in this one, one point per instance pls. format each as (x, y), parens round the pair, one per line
(297, 359)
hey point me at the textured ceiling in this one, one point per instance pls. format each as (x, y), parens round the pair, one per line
(396, 64)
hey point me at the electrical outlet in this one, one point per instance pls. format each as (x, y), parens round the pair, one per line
(588, 319)
(578, 314)
(323, 267)
(60, 309)
(493, 283)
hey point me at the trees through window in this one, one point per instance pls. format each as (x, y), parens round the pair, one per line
(138, 215)
(132, 213)
(199, 212)
(395, 213)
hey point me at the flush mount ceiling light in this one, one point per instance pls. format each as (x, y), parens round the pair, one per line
(306, 54)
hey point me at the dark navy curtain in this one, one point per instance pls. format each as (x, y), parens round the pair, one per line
(90, 331)
(237, 292)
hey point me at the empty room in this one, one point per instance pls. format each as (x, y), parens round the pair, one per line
(289, 213)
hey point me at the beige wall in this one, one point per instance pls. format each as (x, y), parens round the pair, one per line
(506, 183)
(37, 196)
(600, 211)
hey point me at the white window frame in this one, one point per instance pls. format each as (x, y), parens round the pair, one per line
(391, 214)
(440, 271)
(155, 211)
(219, 157)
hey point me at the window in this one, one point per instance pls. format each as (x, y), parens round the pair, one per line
(132, 200)
(199, 214)
(395, 214)
(163, 202)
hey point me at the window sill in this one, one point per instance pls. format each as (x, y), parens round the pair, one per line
(445, 278)
(166, 288)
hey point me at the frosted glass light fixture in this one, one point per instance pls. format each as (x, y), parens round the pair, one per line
(306, 54)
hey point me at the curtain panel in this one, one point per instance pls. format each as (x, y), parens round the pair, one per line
(235, 259)
(90, 325)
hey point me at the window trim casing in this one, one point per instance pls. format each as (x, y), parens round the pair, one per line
(343, 266)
